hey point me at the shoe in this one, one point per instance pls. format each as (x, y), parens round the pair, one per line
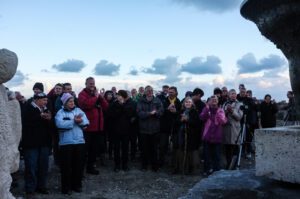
(116, 170)
(125, 168)
(66, 192)
(30, 195)
(43, 191)
(155, 169)
(92, 171)
(175, 171)
(77, 190)
(144, 168)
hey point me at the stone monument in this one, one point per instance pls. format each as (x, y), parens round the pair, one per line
(10, 125)
(278, 149)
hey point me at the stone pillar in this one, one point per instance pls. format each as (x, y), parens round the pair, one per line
(279, 21)
(277, 153)
(10, 125)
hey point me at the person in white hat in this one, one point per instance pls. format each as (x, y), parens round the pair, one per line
(70, 121)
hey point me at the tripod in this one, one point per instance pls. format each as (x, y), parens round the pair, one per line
(293, 122)
(242, 135)
(240, 139)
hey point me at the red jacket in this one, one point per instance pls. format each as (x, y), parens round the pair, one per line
(93, 106)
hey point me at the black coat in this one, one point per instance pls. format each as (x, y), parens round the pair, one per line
(191, 128)
(168, 119)
(268, 114)
(36, 130)
(123, 116)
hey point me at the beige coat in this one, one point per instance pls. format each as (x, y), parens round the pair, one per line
(232, 128)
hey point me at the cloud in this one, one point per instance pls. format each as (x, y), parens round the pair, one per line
(163, 66)
(199, 66)
(17, 80)
(133, 72)
(168, 67)
(71, 65)
(216, 6)
(249, 64)
(106, 68)
(45, 71)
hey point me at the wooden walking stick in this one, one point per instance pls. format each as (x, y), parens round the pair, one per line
(185, 148)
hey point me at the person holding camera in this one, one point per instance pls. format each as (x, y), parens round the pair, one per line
(93, 104)
(250, 118)
(268, 110)
(231, 129)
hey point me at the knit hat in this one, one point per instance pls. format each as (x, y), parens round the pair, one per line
(65, 98)
(38, 85)
(39, 96)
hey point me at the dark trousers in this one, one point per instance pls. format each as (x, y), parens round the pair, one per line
(163, 147)
(121, 145)
(149, 149)
(72, 166)
(249, 138)
(55, 148)
(92, 141)
(36, 168)
(101, 144)
(212, 156)
(230, 151)
(133, 138)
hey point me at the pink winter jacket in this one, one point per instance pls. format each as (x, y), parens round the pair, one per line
(214, 118)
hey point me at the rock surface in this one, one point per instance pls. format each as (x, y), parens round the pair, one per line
(8, 65)
(241, 184)
(10, 128)
(277, 153)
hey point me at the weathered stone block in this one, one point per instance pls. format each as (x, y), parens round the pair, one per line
(278, 153)
(8, 65)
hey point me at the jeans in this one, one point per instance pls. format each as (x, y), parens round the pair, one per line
(36, 168)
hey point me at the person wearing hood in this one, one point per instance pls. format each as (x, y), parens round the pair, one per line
(70, 121)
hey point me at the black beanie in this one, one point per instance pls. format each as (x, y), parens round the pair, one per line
(38, 85)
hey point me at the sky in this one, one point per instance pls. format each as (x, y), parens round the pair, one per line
(132, 43)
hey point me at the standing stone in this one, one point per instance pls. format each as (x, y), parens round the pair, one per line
(10, 125)
(277, 153)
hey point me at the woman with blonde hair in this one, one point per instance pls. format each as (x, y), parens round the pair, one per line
(185, 141)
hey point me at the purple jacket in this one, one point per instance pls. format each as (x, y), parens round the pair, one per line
(214, 118)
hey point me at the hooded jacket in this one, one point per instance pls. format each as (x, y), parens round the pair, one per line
(69, 131)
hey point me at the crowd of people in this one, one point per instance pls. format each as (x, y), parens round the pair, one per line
(158, 130)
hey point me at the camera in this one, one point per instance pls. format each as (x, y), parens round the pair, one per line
(244, 107)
